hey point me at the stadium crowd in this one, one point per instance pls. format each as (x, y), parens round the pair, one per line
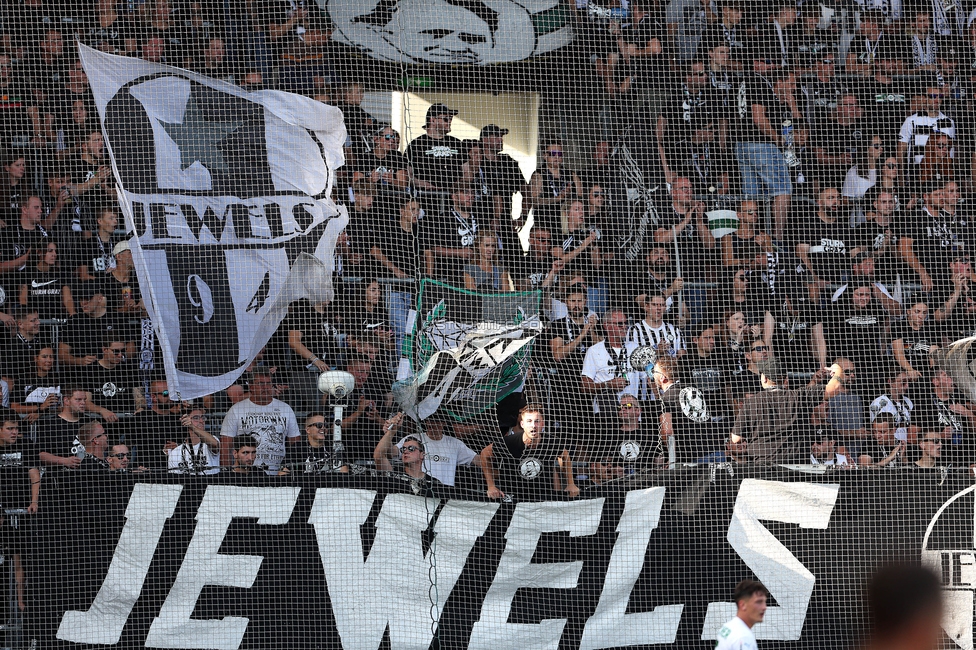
(799, 247)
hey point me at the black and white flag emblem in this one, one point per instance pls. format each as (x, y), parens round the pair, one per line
(218, 188)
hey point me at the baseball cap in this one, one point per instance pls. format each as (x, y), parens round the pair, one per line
(492, 131)
(121, 247)
(436, 110)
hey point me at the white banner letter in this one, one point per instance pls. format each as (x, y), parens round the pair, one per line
(203, 566)
(806, 504)
(610, 626)
(150, 505)
(515, 570)
(392, 586)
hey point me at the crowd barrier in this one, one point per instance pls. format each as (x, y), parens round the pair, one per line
(330, 561)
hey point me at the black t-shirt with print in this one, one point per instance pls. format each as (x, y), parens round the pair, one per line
(452, 230)
(829, 245)
(437, 161)
(691, 422)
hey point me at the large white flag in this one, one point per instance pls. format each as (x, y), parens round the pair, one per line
(217, 187)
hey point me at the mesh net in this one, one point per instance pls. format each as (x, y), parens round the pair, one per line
(470, 323)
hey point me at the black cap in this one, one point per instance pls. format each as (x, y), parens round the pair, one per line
(492, 131)
(436, 110)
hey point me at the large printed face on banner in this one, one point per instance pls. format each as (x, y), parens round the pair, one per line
(449, 31)
(949, 548)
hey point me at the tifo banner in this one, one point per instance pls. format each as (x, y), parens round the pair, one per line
(466, 350)
(451, 31)
(218, 186)
(334, 561)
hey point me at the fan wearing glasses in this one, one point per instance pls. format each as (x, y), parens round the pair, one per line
(446, 452)
(314, 453)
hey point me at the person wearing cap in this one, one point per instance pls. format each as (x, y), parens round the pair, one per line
(436, 157)
(499, 179)
(443, 453)
(917, 127)
(383, 165)
(770, 427)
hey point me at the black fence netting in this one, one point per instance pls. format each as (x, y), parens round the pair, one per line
(469, 323)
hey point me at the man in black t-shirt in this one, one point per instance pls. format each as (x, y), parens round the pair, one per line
(383, 166)
(822, 243)
(314, 453)
(82, 335)
(436, 157)
(527, 463)
(57, 436)
(498, 179)
(448, 239)
(939, 407)
(685, 414)
(113, 383)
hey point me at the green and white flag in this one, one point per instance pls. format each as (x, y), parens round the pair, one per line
(465, 350)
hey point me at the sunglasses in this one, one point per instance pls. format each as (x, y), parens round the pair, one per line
(761, 348)
(597, 194)
(627, 405)
(390, 136)
(877, 146)
(317, 425)
(828, 62)
(935, 96)
(556, 154)
(119, 455)
(410, 448)
(891, 166)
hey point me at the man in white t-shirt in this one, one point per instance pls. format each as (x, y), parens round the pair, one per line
(443, 452)
(750, 603)
(270, 421)
(199, 453)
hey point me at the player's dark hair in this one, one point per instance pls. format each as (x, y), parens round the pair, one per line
(244, 441)
(746, 589)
